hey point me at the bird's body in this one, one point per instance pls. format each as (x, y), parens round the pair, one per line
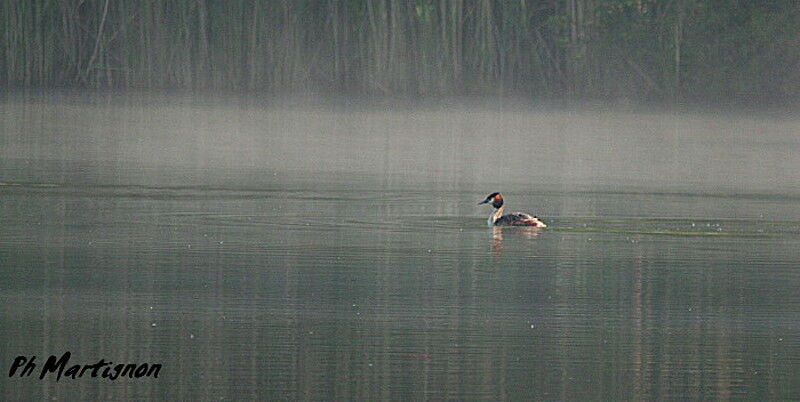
(515, 219)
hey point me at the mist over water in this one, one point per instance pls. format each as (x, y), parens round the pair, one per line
(333, 249)
(457, 143)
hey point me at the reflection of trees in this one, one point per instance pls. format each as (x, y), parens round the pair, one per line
(551, 317)
(651, 322)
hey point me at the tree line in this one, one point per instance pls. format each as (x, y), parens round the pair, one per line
(640, 49)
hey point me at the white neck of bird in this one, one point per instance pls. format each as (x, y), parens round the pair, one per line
(496, 215)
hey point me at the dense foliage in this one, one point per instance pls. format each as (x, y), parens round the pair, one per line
(643, 49)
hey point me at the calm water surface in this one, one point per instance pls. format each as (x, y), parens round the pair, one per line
(286, 252)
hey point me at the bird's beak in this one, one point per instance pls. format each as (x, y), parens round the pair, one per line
(484, 201)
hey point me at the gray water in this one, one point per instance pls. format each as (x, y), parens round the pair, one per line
(334, 250)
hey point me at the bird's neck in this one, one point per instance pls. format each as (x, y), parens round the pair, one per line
(495, 215)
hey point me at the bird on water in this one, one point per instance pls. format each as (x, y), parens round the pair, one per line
(516, 219)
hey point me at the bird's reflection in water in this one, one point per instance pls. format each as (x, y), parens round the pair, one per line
(498, 232)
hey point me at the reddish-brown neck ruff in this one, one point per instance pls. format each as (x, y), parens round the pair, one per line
(497, 200)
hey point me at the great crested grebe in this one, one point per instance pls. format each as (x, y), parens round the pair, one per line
(516, 219)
